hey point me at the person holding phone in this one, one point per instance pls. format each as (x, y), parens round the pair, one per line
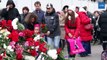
(10, 12)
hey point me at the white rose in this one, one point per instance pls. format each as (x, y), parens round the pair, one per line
(2, 54)
(0, 36)
(6, 33)
(15, 27)
(14, 23)
(32, 47)
(29, 58)
(53, 53)
(10, 48)
(37, 37)
(37, 47)
(4, 46)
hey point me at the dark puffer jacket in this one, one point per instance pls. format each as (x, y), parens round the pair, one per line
(12, 13)
(103, 23)
(52, 22)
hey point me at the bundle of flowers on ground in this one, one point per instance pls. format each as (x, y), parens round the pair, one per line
(17, 43)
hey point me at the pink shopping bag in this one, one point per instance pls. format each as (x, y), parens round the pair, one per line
(75, 46)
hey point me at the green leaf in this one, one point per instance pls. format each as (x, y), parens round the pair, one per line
(21, 26)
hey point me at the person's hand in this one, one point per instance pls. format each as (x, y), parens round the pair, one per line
(48, 32)
(90, 18)
(70, 35)
(74, 38)
(8, 6)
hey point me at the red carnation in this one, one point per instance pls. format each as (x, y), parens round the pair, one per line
(43, 25)
(37, 43)
(4, 54)
(29, 39)
(19, 56)
(44, 28)
(43, 49)
(0, 24)
(14, 36)
(3, 22)
(59, 51)
(9, 25)
(1, 57)
(19, 51)
(33, 52)
(31, 43)
(43, 44)
(28, 33)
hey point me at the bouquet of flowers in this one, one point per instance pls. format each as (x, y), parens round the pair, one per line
(23, 44)
(44, 28)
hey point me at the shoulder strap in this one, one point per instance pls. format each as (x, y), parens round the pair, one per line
(97, 20)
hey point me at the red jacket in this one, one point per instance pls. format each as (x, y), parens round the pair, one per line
(84, 33)
(72, 28)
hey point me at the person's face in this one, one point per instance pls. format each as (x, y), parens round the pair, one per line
(70, 12)
(11, 5)
(76, 10)
(49, 10)
(33, 20)
(37, 6)
(36, 30)
(96, 14)
(66, 9)
(25, 11)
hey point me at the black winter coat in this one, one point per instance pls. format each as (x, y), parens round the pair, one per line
(52, 22)
(103, 23)
(12, 13)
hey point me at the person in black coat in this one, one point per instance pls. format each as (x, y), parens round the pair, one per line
(52, 23)
(96, 36)
(0, 14)
(10, 12)
(103, 26)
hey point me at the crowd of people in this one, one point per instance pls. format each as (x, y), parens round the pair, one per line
(63, 25)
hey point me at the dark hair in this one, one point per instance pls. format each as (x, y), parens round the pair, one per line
(66, 6)
(97, 12)
(37, 2)
(77, 7)
(85, 7)
(72, 18)
(25, 8)
(29, 17)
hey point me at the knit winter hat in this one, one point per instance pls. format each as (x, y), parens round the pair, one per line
(73, 9)
(49, 5)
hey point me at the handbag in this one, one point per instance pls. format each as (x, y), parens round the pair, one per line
(88, 26)
(75, 46)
